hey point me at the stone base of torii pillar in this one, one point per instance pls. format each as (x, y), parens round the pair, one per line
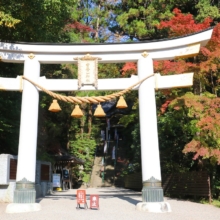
(157, 207)
(22, 207)
(152, 197)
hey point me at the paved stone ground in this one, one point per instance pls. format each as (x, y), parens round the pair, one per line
(115, 204)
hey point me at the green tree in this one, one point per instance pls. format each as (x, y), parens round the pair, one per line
(138, 19)
(7, 20)
(9, 111)
(40, 21)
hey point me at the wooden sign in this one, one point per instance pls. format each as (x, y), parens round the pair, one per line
(94, 202)
(45, 172)
(87, 71)
(13, 169)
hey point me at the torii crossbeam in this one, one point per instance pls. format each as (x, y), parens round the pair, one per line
(32, 55)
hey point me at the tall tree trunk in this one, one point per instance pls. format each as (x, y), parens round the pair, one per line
(97, 25)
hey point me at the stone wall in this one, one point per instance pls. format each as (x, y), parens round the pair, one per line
(7, 185)
(5, 168)
(43, 184)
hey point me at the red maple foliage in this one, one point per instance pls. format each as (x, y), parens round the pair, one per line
(202, 151)
(182, 24)
(168, 67)
(215, 40)
(129, 68)
(211, 52)
(164, 107)
(204, 115)
(79, 27)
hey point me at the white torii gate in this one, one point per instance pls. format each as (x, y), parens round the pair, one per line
(32, 55)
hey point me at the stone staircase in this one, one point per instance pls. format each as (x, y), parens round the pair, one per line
(109, 179)
(96, 177)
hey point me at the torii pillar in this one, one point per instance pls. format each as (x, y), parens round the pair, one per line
(152, 192)
(27, 148)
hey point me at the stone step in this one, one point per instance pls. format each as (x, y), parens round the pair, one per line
(109, 173)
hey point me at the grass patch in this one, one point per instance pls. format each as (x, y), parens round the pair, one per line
(215, 202)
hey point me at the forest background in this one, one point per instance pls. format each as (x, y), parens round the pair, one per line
(188, 119)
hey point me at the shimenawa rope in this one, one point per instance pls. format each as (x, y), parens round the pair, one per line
(85, 99)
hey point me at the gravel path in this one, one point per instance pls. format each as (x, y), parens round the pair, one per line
(115, 204)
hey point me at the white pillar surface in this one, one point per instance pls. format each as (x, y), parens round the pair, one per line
(148, 122)
(29, 123)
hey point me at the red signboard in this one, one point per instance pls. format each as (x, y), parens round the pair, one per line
(94, 202)
(81, 196)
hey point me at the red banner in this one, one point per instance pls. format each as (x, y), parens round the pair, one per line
(81, 196)
(94, 202)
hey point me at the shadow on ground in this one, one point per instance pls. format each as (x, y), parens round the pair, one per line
(124, 195)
